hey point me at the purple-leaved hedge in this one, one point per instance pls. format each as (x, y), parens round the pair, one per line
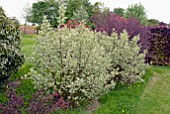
(154, 39)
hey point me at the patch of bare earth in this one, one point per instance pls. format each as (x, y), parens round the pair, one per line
(13, 84)
(95, 104)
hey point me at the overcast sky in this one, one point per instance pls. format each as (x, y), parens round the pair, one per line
(158, 9)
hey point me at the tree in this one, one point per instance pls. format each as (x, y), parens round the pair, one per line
(47, 8)
(50, 9)
(119, 11)
(97, 7)
(27, 12)
(81, 15)
(73, 5)
(153, 22)
(26, 15)
(137, 11)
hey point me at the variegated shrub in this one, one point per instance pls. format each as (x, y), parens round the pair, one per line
(72, 63)
(11, 57)
(125, 55)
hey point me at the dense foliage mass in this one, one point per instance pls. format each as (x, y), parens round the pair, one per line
(73, 5)
(155, 39)
(125, 56)
(47, 8)
(137, 11)
(109, 21)
(160, 45)
(11, 57)
(81, 15)
(70, 62)
(50, 9)
(80, 64)
(119, 11)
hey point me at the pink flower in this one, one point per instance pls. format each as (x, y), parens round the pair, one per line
(69, 21)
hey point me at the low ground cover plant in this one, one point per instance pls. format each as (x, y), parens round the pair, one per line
(39, 103)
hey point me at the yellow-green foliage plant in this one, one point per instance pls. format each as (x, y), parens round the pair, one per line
(126, 57)
(70, 62)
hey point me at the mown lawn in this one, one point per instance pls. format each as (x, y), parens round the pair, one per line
(156, 97)
(149, 97)
(27, 44)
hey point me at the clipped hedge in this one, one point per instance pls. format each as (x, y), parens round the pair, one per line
(160, 45)
(156, 39)
(11, 57)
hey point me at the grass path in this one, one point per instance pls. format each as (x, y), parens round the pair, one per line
(156, 96)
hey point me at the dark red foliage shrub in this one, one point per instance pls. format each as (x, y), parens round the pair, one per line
(160, 45)
(40, 103)
(108, 22)
(105, 22)
(13, 105)
(60, 103)
(156, 40)
(44, 104)
(72, 24)
(145, 42)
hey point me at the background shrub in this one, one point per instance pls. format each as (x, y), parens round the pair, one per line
(160, 45)
(11, 57)
(126, 57)
(107, 21)
(156, 40)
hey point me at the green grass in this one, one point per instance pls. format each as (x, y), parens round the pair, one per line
(149, 97)
(28, 41)
(124, 99)
(27, 44)
(156, 97)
